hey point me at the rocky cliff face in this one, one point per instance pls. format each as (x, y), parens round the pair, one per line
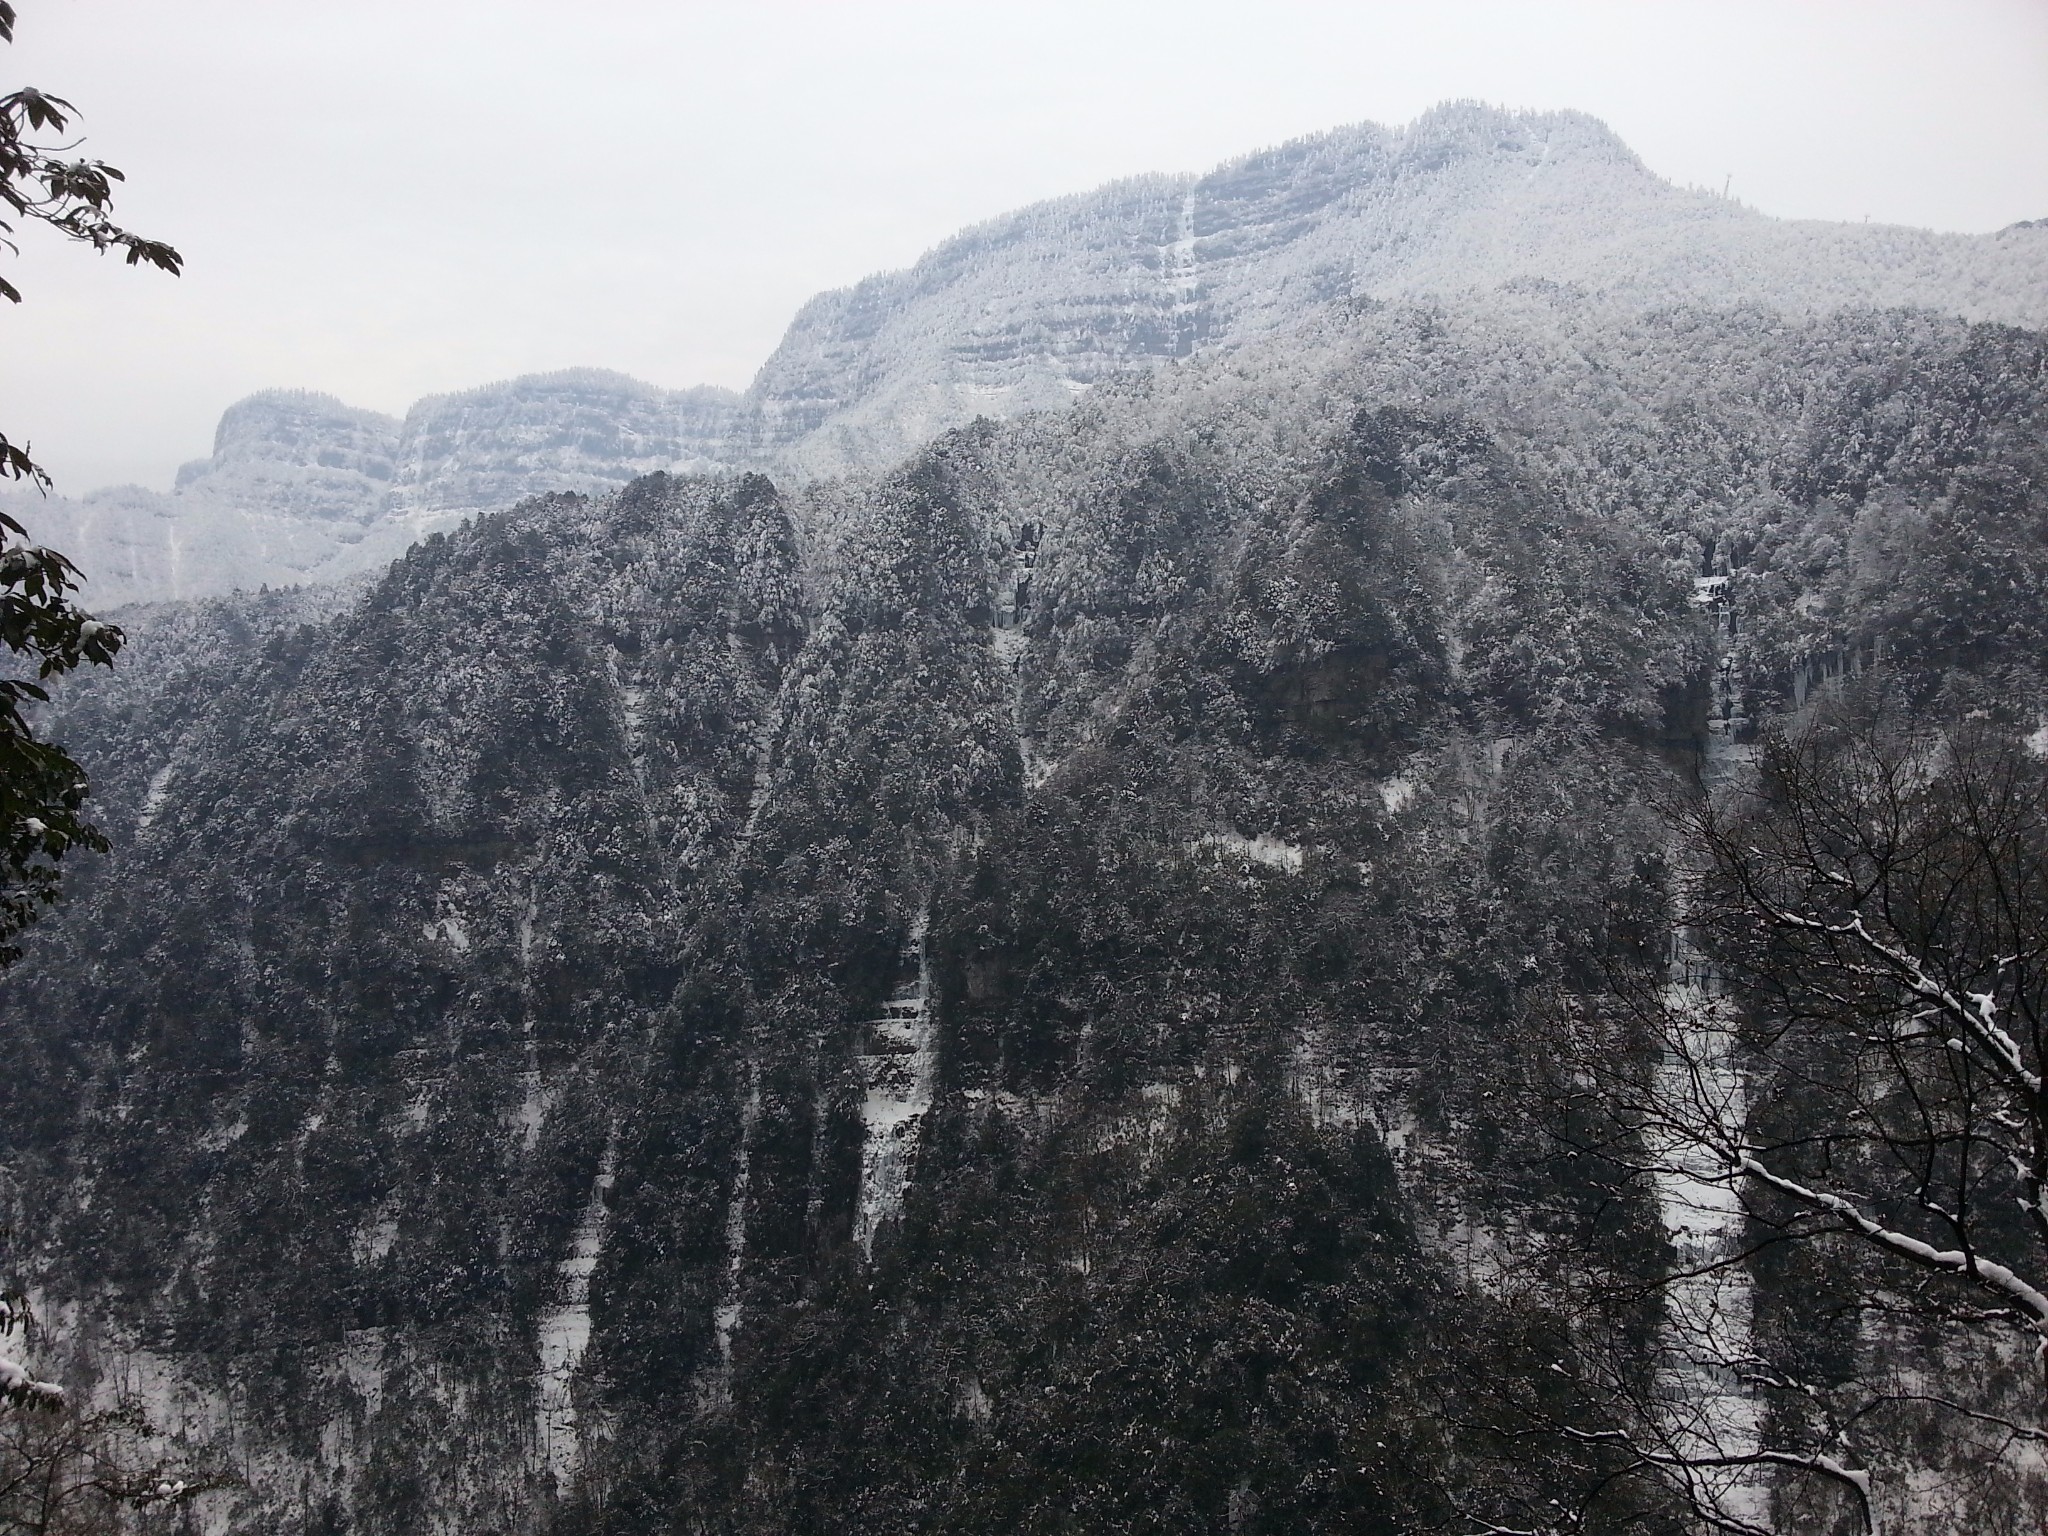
(299, 455)
(1026, 313)
(294, 486)
(580, 430)
(1007, 993)
(301, 488)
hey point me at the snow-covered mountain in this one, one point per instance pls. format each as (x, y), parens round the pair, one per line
(1078, 979)
(1027, 310)
(1014, 993)
(1026, 313)
(302, 488)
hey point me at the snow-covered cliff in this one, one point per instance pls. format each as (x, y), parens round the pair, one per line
(1026, 313)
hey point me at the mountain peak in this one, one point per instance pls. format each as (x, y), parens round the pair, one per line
(1481, 127)
(290, 426)
(298, 451)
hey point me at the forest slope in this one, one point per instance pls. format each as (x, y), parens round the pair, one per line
(992, 994)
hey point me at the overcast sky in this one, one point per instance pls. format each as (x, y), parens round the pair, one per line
(389, 198)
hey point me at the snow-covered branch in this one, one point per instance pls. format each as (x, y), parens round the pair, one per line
(18, 1386)
(1854, 1479)
(1975, 1012)
(1988, 1273)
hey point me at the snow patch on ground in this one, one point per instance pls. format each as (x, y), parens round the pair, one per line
(1397, 793)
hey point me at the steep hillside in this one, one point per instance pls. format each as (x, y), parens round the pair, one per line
(1010, 993)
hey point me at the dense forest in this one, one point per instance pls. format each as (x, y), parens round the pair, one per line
(1120, 973)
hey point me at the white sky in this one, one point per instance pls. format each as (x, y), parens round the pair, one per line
(388, 198)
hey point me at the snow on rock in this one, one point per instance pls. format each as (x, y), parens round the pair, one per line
(153, 797)
(376, 1237)
(302, 488)
(974, 1401)
(1013, 314)
(1708, 1413)
(537, 1097)
(896, 1070)
(1150, 1128)
(1023, 313)
(292, 492)
(362, 1365)
(1332, 1102)
(565, 1332)
(579, 429)
(449, 930)
(725, 1317)
(531, 1113)
(1264, 849)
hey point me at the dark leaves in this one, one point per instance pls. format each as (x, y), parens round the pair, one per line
(42, 791)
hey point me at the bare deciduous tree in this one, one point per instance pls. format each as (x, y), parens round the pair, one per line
(1849, 1091)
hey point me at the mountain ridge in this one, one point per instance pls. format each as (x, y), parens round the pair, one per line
(1028, 311)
